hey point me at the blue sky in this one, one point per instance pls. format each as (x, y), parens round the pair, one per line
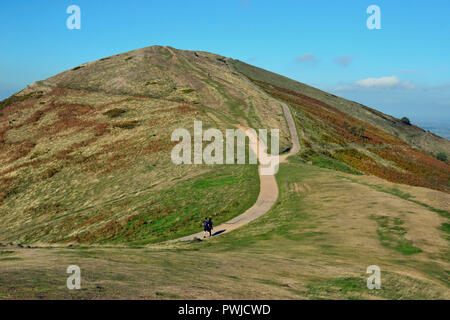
(402, 69)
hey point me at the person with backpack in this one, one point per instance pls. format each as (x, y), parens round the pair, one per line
(210, 226)
(206, 227)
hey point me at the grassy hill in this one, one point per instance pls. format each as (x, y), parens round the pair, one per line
(86, 178)
(85, 155)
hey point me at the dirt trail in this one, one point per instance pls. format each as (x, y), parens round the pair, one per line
(268, 192)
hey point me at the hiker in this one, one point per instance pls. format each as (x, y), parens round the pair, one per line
(206, 227)
(210, 226)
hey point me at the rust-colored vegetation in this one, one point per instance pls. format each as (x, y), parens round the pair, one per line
(331, 133)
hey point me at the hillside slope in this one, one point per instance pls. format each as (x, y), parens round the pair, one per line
(344, 135)
(411, 134)
(85, 154)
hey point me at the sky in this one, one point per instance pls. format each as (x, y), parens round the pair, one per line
(402, 69)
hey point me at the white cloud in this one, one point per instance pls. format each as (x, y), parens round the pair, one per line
(344, 60)
(392, 82)
(307, 58)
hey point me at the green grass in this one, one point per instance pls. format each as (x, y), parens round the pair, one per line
(391, 234)
(211, 183)
(10, 259)
(167, 295)
(327, 162)
(395, 192)
(394, 286)
(446, 227)
(443, 213)
(179, 211)
(288, 220)
(187, 90)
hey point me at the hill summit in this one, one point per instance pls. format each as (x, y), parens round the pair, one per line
(85, 154)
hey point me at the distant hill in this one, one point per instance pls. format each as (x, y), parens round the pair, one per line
(441, 128)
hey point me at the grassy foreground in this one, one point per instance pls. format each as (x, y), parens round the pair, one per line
(315, 243)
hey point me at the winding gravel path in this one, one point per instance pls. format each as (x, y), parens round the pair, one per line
(268, 192)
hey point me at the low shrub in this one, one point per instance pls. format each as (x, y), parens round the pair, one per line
(127, 124)
(442, 156)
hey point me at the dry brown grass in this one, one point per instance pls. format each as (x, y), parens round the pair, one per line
(314, 244)
(62, 146)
